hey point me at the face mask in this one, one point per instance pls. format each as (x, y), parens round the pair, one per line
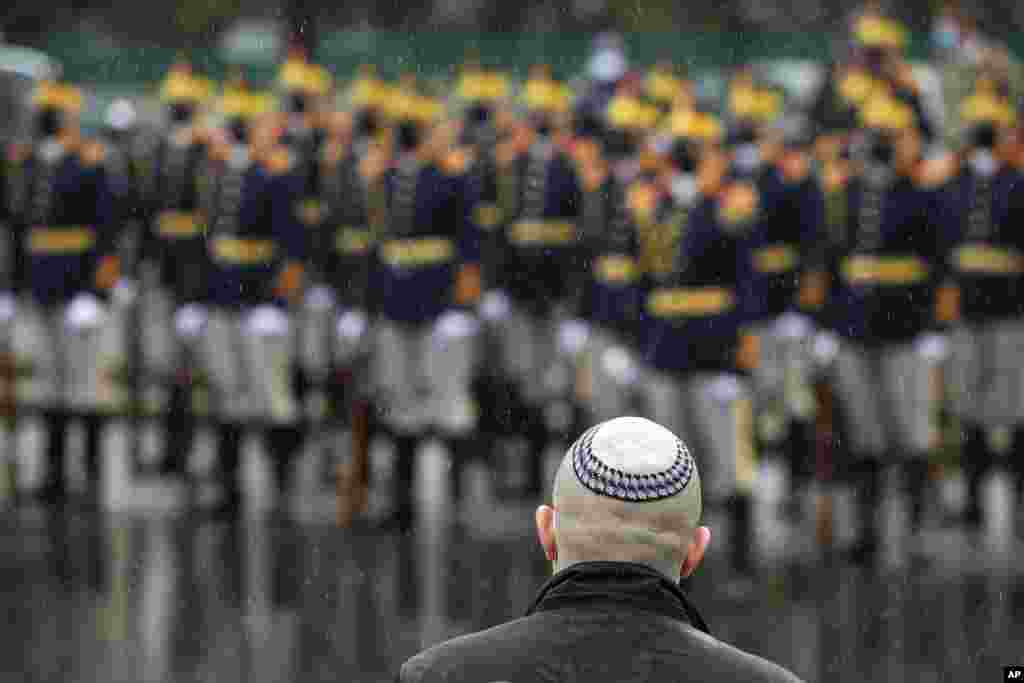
(48, 122)
(983, 137)
(180, 113)
(367, 124)
(983, 163)
(947, 38)
(239, 131)
(684, 189)
(478, 114)
(297, 103)
(408, 136)
(683, 157)
(882, 152)
(748, 157)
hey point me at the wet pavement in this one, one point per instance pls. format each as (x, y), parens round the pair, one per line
(109, 597)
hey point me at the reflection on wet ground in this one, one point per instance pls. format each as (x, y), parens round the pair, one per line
(93, 597)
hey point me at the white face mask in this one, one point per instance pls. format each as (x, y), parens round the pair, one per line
(239, 158)
(982, 163)
(748, 157)
(684, 189)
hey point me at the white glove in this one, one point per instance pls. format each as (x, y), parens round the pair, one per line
(932, 347)
(495, 306)
(725, 389)
(351, 325)
(825, 348)
(125, 292)
(267, 321)
(320, 298)
(8, 307)
(455, 325)
(619, 365)
(794, 326)
(572, 336)
(85, 312)
(189, 321)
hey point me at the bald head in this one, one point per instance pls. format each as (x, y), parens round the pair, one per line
(628, 490)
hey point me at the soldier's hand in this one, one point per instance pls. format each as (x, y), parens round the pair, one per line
(289, 282)
(108, 273)
(748, 355)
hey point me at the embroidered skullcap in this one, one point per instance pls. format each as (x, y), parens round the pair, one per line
(632, 459)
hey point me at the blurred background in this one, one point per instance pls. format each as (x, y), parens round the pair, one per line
(144, 592)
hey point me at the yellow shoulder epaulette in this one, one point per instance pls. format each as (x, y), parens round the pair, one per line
(63, 96)
(886, 112)
(856, 87)
(879, 32)
(987, 108)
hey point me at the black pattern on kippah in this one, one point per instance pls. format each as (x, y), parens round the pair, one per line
(597, 476)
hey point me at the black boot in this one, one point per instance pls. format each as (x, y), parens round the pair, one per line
(868, 480)
(403, 517)
(94, 425)
(915, 473)
(740, 509)
(54, 491)
(461, 452)
(800, 451)
(229, 455)
(180, 432)
(976, 460)
(283, 442)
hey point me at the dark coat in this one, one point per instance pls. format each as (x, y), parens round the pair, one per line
(591, 623)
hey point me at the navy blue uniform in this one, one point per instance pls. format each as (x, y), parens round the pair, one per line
(540, 199)
(430, 233)
(63, 214)
(693, 315)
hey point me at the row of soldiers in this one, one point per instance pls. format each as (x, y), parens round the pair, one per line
(518, 273)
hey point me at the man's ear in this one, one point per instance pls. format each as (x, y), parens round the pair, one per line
(546, 531)
(695, 552)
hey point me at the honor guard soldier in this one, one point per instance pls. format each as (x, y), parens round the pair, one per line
(697, 344)
(368, 98)
(983, 214)
(786, 278)
(64, 224)
(425, 273)
(537, 268)
(303, 89)
(257, 249)
(885, 264)
(346, 268)
(175, 265)
(610, 240)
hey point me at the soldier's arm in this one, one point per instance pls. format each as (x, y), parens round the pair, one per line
(580, 261)
(289, 234)
(468, 278)
(813, 246)
(106, 215)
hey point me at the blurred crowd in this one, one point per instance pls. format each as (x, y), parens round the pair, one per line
(500, 264)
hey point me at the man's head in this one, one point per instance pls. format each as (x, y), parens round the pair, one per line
(628, 490)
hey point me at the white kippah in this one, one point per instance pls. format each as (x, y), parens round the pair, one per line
(632, 459)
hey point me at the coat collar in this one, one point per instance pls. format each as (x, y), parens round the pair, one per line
(623, 583)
